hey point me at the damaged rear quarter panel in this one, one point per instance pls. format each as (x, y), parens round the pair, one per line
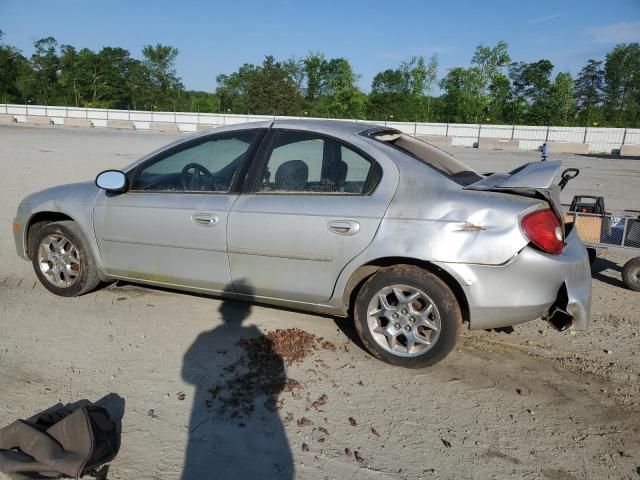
(432, 218)
(441, 222)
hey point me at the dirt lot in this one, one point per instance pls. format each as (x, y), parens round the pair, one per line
(531, 404)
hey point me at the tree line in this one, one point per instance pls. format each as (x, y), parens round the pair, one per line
(492, 89)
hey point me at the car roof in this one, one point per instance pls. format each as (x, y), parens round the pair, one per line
(334, 127)
(330, 127)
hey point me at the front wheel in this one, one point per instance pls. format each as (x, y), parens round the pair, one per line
(63, 261)
(631, 274)
(407, 316)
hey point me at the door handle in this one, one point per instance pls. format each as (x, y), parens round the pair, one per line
(204, 219)
(343, 227)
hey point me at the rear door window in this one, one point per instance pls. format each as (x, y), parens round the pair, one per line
(306, 162)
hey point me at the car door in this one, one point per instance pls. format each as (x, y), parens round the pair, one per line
(169, 227)
(314, 207)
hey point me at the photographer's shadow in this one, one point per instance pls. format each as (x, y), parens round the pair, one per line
(235, 431)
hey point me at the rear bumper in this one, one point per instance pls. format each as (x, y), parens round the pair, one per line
(528, 287)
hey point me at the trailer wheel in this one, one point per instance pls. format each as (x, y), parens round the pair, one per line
(631, 274)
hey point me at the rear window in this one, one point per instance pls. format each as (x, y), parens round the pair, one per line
(437, 159)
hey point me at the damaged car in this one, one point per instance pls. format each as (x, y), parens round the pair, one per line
(344, 218)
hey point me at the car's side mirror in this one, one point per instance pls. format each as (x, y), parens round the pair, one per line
(112, 181)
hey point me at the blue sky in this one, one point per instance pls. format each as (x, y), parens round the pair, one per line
(216, 37)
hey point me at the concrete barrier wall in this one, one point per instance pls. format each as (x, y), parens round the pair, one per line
(77, 122)
(630, 151)
(36, 120)
(568, 147)
(436, 140)
(597, 140)
(499, 144)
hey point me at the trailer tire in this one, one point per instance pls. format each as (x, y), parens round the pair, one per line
(631, 274)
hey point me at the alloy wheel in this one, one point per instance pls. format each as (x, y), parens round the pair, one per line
(403, 320)
(59, 260)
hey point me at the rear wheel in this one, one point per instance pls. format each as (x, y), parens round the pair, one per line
(407, 316)
(631, 274)
(62, 260)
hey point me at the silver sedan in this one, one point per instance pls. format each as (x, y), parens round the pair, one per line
(344, 218)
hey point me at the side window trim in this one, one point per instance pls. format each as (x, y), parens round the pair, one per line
(266, 147)
(237, 183)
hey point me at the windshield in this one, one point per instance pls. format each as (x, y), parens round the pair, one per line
(430, 155)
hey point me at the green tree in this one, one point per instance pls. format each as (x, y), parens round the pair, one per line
(42, 86)
(160, 63)
(343, 99)
(488, 65)
(295, 67)
(400, 92)
(12, 63)
(529, 99)
(416, 72)
(232, 89)
(431, 79)
(622, 91)
(499, 98)
(462, 87)
(538, 83)
(589, 88)
(271, 90)
(389, 95)
(562, 105)
(314, 67)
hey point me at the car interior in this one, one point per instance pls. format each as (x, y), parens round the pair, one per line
(209, 166)
(299, 162)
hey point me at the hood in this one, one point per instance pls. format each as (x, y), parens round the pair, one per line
(81, 191)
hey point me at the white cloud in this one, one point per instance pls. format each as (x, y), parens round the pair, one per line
(545, 19)
(616, 32)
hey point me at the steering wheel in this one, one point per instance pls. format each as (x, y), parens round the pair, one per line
(195, 177)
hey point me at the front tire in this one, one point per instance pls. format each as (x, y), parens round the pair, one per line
(62, 260)
(407, 316)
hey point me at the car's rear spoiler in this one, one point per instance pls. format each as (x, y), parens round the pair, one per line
(531, 176)
(535, 178)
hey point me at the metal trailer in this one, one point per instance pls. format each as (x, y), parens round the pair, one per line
(621, 233)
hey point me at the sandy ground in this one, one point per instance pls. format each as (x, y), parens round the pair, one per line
(532, 404)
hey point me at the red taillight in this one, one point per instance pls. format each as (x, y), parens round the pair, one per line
(543, 228)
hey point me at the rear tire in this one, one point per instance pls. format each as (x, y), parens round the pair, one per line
(62, 259)
(407, 316)
(631, 274)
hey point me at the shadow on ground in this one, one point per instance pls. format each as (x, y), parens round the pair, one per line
(600, 265)
(235, 431)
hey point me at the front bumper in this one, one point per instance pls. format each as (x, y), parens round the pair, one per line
(19, 230)
(528, 287)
